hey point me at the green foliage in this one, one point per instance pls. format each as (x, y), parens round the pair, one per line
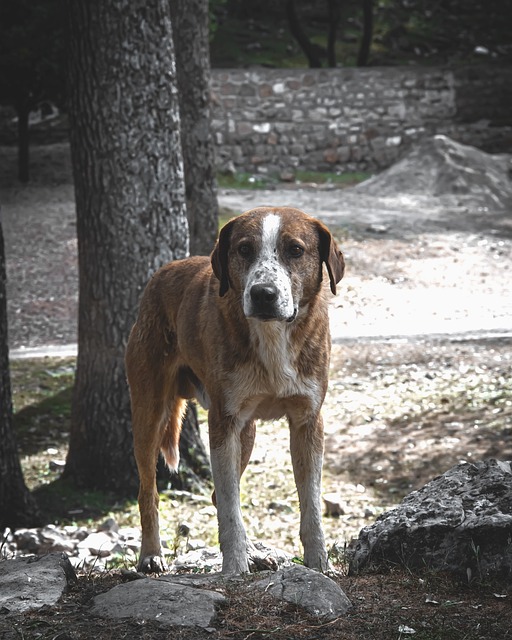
(215, 8)
(245, 180)
(348, 179)
(256, 32)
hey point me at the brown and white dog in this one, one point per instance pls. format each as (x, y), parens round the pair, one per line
(246, 332)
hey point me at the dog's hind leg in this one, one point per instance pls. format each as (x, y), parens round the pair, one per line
(147, 438)
(151, 387)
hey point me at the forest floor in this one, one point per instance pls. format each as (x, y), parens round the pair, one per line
(420, 381)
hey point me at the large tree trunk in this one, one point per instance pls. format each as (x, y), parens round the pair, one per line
(131, 217)
(190, 23)
(17, 506)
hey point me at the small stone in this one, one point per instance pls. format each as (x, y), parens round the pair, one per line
(335, 506)
(287, 176)
(109, 525)
(56, 465)
(369, 512)
(98, 544)
(311, 590)
(281, 506)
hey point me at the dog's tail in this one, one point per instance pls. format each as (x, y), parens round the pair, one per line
(169, 445)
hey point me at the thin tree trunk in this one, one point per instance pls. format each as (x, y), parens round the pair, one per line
(334, 18)
(309, 49)
(23, 112)
(131, 219)
(190, 21)
(366, 40)
(17, 506)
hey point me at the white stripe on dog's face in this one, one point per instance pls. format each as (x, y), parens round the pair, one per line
(268, 279)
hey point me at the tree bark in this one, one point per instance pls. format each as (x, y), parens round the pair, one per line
(190, 21)
(366, 40)
(334, 18)
(23, 112)
(310, 49)
(131, 218)
(17, 506)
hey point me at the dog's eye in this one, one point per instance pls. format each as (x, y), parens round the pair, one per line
(296, 251)
(245, 250)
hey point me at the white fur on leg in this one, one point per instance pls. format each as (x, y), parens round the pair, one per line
(311, 533)
(225, 462)
(308, 476)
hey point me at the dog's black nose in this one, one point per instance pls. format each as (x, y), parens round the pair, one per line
(263, 294)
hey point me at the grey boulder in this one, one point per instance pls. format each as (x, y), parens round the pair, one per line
(162, 601)
(313, 591)
(31, 583)
(459, 522)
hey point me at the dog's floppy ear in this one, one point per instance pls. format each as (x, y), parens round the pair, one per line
(331, 255)
(219, 257)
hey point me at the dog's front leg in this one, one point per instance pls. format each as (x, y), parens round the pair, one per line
(225, 454)
(306, 445)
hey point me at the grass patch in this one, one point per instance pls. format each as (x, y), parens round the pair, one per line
(246, 180)
(348, 179)
(42, 396)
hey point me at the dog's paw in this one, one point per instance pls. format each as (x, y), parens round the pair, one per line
(152, 564)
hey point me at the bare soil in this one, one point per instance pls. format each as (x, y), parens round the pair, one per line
(420, 380)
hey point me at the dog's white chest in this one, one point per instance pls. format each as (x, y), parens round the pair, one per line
(261, 387)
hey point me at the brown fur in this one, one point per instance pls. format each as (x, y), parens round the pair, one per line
(192, 338)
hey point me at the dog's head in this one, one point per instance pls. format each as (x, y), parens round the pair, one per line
(273, 257)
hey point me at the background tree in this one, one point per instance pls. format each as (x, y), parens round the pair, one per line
(313, 52)
(17, 506)
(131, 218)
(190, 23)
(366, 39)
(32, 65)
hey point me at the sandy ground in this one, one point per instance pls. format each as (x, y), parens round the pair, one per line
(415, 265)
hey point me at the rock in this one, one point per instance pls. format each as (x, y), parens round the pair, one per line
(313, 591)
(209, 559)
(287, 176)
(109, 525)
(459, 522)
(168, 603)
(335, 505)
(206, 559)
(440, 166)
(31, 583)
(99, 544)
(263, 558)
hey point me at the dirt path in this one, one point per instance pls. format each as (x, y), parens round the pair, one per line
(415, 265)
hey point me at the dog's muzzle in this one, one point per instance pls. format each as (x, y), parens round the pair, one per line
(265, 303)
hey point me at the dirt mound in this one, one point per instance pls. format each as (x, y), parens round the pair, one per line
(440, 166)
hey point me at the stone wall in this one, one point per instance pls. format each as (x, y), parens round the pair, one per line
(270, 121)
